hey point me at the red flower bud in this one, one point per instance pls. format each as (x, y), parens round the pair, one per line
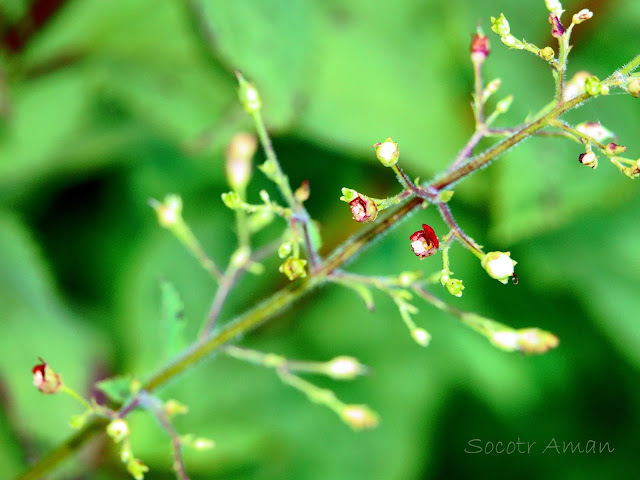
(557, 30)
(424, 243)
(45, 379)
(363, 209)
(479, 47)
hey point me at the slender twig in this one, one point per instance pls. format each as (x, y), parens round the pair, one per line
(155, 406)
(467, 241)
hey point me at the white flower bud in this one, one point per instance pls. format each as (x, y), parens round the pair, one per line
(498, 265)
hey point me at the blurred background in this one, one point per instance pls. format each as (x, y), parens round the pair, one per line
(104, 104)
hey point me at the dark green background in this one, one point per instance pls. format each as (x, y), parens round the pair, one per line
(112, 102)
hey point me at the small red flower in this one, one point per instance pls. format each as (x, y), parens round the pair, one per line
(424, 243)
(363, 209)
(45, 379)
(479, 47)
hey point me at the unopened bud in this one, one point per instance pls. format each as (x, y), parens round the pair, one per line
(173, 407)
(479, 47)
(588, 159)
(615, 149)
(534, 340)
(633, 87)
(503, 105)
(511, 42)
(387, 152)
(575, 86)
(137, 469)
(344, 368)
(557, 30)
(555, 7)
(592, 86)
(500, 25)
(582, 16)
(454, 286)
(303, 192)
(248, 95)
(421, 336)
(239, 153)
(294, 268)
(445, 195)
(595, 130)
(546, 53)
(498, 265)
(45, 379)
(231, 200)
(490, 89)
(118, 430)
(169, 212)
(359, 417)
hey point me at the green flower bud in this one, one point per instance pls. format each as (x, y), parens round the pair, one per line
(344, 368)
(285, 250)
(546, 53)
(633, 87)
(592, 85)
(248, 95)
(534, 340)
(511, 42)
(454, 287)
(421, 336)
(118, 430)
(169, 212)
(387, 152)
(500, 25)
(294, 268)
(137, 469)
(232, 200)
(498, 265)
(615, 149)
(555, 7)
(359, 417)
(445, 195)
(503, 105)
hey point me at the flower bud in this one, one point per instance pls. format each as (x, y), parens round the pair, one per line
(387, 152)
(344, 368)
(169, 212)
(500, 25)
(479, 47)
(555, 7)
(421, 336)
(592, 85)
(363, 209)
(498, 265)
(534, 340)
(454, 286)
(557, 30)
(505, 340)
(359, 417)
(231, 200)
(588, 159)
(575, 86)
(118, 430)
(45, 379)
(595, 130)
(633, 87)
(294, 268)
(285, 249)
(445, 195)
(303, 192)
(490, 89)
(137, 469)
(241, 149)
(546, 53)
(615, 149)
(511, 42)
(503, 105)
(173, 407)
(248, 95)
(424, 243)
(582, 16)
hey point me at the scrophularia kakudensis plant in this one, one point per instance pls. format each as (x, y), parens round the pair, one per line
(305, 269)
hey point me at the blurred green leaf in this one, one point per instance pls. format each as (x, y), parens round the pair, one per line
(173, 319)
(117, 389)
